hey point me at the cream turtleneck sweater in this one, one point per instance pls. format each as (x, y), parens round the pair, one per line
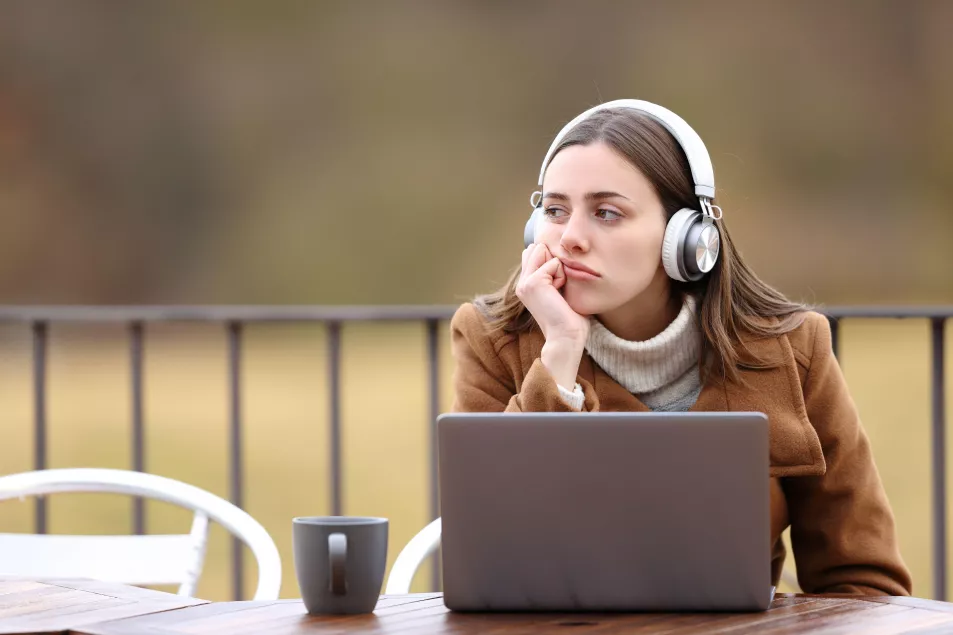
(662, 371)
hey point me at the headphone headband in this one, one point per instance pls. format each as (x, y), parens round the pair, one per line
(702, 172)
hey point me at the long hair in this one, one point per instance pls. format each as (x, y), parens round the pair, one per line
(734, 304)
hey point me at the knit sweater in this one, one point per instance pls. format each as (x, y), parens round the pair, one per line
(662, 371)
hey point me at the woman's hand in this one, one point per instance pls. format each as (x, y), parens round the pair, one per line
(566, 331)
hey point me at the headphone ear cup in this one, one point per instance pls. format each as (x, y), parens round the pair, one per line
(705, 241)
(690, 247)
(529, 231)
(673, 245)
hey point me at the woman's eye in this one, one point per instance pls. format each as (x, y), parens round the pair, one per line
(554, 212)
(608, 214)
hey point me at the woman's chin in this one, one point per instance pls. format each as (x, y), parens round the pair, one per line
(584, 303)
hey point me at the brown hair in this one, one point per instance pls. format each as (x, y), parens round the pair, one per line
(732, 300)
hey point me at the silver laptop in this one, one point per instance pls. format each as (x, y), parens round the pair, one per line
(605, 511)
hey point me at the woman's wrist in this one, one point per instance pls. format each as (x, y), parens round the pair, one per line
(561, 358)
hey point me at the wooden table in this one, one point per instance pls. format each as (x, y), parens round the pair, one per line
(55, 606)
(91, 608)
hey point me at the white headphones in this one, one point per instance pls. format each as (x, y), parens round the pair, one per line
(692, 242)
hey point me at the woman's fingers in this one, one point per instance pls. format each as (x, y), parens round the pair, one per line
(534, 259)
(539, 266)
(542, 276)
(548, 269)
(559, 279)
(538, 257)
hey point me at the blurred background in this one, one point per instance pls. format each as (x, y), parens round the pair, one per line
(382, 153)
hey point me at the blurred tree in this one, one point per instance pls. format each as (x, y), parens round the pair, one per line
(383, 152)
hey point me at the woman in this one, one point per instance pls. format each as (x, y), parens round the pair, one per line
(618, 307)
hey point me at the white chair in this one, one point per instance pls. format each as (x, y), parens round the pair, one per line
(427, 541)
(420, 547)
(154, 559)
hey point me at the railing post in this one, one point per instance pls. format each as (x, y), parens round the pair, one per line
(138, 434)
(433, 356)
(835, 334)
(939, 460)
(334, 390)
(235, 447)
(39, 416)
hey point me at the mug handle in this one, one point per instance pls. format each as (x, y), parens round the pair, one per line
(337, 558)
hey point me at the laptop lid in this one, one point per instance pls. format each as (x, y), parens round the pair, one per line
(605, 511)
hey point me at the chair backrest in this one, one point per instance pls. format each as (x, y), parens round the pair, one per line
(154, 559)
(420, 547)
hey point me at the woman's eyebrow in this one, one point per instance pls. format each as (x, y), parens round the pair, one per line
(590, 196)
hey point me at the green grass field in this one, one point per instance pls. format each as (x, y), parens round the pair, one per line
(385, 426)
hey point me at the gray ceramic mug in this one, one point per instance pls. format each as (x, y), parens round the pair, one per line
(340, 562)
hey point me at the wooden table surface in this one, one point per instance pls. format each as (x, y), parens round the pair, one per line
(426, 613)
(93, 608)
(55, 606)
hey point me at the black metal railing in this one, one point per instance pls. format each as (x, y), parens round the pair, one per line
(937, 317)
(234, 318)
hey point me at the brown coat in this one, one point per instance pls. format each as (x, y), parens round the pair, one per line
(824, 483)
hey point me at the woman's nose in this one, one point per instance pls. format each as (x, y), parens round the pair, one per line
(575, 237)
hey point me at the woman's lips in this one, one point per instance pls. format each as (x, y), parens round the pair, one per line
(578, 271)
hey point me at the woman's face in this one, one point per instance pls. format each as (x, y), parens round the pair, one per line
(602, 213)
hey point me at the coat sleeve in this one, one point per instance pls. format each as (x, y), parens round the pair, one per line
(484, 382)
(842, 529)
